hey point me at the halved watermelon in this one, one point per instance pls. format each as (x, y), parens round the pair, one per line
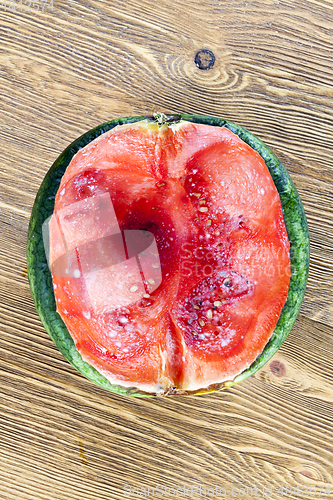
(177, 254)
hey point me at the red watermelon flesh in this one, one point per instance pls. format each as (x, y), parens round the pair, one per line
(169, 255)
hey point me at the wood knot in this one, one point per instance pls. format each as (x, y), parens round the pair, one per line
(204, 59)
(277, 368)
(306, 473)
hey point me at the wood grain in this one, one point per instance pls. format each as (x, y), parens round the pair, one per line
(64, 72)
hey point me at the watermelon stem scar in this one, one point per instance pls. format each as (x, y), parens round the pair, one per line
(167, 254)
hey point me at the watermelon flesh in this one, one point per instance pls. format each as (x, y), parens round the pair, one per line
(169, 255)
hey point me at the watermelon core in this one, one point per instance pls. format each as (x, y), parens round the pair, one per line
(169, 255)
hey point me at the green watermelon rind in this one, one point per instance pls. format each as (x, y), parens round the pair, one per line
(40, 278)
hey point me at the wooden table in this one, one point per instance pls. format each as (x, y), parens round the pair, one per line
(66, 70)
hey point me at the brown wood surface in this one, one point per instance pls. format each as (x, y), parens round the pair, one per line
(63, 72)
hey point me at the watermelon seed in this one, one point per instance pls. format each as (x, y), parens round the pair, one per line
(203, 209)
(194, 333)
(133, 288)
(209, 314)
(201, 322)
(145, 303)
(209, 222)
(227, 282)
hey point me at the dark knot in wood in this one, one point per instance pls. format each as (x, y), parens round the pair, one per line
(277, 368)
(204, 59)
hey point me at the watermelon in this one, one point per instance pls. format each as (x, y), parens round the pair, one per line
(168, 254)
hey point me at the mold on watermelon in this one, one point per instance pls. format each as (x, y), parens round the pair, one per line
(176, 254)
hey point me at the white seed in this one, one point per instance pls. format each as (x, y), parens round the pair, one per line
(202, 202)
(217, 303)
(156, 266)
(86, 314)
(161, 184)
(77, 273)
(196, 307)
(201, 322)
(217, 232)
(146, 295)
(203, 209)
(209, 222)
(209, 314)
(133, 288)
(151, 281)
(197, 195)
(194, 333)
